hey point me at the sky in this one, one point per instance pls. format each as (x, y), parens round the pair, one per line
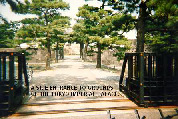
(6, 12)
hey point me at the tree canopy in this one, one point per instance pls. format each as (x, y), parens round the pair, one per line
(162, 26)
(6, 35)
(156, 25)
(102, 26)
(48, 22)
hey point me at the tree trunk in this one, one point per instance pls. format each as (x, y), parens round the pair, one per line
(85, 51)
(48, 58)
(141, 28)
(57, 51)
(81, 50)
(63, 52)
(98, 65)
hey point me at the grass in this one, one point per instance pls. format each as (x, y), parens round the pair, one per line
(38, 67)
(114, 70)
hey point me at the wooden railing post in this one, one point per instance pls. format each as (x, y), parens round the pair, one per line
(150, 73)
(0, 69)
(20, 74)
(25, 74)
(122, 73)
(176, 67)
(164, 77)
(11, 80)
(141, 75)
(150, 67)
(158, 84)
(20, 68)
(176, 76)
(130, 72)
(4, 67)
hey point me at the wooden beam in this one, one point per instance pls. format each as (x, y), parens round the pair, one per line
(0, 69)
(122, 72)
(141, 75)
(11, 80)
(25, 74)
(4, 67)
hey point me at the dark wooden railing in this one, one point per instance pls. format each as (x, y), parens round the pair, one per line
(13, 80)
(151, 79)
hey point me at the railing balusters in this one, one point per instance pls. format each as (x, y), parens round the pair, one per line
(11, 80)
(0, 69)
(122, 73)
(164, 77)
(4, 68)
(150, 73)
(141, 78)
(130, 72)
(25, 74)
(158, 84)
(176, 66)
(8, 76)
(20, 69)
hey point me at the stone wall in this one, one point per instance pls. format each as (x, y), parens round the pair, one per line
(36, 56)
(107, 58)
(72, 49)
(9, 49)
(39, 56)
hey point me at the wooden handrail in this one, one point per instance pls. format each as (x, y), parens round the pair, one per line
(8, 74)
(156, 74)
(122, 72)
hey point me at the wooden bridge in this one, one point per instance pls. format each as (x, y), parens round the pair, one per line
(14, 83)
(151, 79)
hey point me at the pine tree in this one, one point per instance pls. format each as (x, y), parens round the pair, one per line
(7, 33)
(12, 4)
(79, 36)
(162, 26)
(49, 13)
(100, 23)
(156, 22)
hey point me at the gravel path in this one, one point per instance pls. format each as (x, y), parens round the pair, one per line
(75, 73)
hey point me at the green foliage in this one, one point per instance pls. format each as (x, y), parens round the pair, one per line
(79, 32)
(49, 25)
(124, 22)
(90, 52)
(121, 45)
(98, 23)
(30, 31)
(100, 26)
(120, 55)
(160, 21)
(26, 53)
(162, 29)
(7, 34)
(13, 4)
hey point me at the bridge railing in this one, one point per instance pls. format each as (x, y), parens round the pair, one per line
(151, 79)
(13, 79)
